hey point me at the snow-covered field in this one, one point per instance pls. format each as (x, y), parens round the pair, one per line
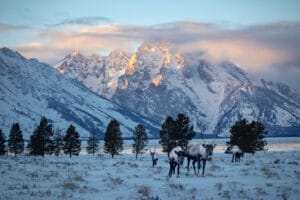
(273, 174)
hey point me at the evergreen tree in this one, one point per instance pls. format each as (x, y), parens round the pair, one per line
(184, 130)
(258, 130)
(168, 138)
(176, 132)
(58, 142)
(41, 142)
(92, 144)
(72, 143)
(16, 141)
(2, 143)
(140, 139)
(113, 142)
(248, 136)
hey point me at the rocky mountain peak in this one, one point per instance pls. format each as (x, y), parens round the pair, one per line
(159, 81)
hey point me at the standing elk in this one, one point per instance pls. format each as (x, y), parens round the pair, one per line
(176, 157)
(236, 152)
(154, 157)
(199, 152)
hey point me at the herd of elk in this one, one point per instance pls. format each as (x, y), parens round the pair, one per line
(196, 152)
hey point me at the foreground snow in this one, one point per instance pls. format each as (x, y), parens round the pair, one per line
(265, 175)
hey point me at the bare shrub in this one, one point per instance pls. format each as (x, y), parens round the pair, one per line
(284, 192)
(214, 167)
(277, 161)
(226, 194)
(119, 163)
(51, 174)
(260, 192)
(219, 186)
(117, 181)
(25, 187)
(70, 185)
(245, 172)
(242, 194)
(249, 162)
(176, 186)
(33, 175)
(133, 165)
(269, 184)
(78, 178)
(293, 163)
(268, 173)
(144, 191)
(193, 192)
(297, 174)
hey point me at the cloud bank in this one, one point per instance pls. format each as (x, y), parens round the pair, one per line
(267, 50)
(90, 20)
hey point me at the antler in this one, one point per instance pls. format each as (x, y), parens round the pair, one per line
(215, 135)
(202, 136)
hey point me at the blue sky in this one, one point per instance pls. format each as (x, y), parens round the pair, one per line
(233, 12)
(261, 36)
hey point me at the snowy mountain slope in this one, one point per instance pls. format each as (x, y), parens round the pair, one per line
(30, 89)
(156, 81)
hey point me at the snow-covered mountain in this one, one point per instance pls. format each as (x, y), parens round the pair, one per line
(30, 89)
(156, 81)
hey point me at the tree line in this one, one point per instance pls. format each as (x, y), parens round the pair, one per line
(46, 141)
(174, 132)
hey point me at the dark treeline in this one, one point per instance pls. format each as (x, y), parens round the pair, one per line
(44, 140)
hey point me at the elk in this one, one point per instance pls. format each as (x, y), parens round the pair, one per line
(154, 157)
(236, 152)
(176, 157)
(199, 152)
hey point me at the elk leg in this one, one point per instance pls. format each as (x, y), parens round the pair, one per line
(171, 169)
(203, 168)
(188, 164)
(232, 157)
(194, 161)
(178, 168)
(199, 165)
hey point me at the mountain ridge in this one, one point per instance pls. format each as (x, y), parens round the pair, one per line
(156, 81)
(30, 90)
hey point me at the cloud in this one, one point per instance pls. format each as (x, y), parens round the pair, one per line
(266, 49)
(91, 20)
(11, 27)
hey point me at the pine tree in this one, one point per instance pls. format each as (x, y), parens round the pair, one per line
(140, 139)
(2, 143)
(58, 142)
(41, 142)
(92, 144)
(258, 129)
(72, 143)
(248, 136)
(168, 138)
(16, 141)
(185, 131)
(113, 142)
(176, 132)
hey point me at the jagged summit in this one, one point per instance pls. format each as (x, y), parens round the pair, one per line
(158, 81)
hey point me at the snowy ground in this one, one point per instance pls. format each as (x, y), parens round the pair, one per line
(274, 174)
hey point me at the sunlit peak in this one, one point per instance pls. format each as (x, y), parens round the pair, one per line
(131, 64)
(180, 60)
(146, 47)
(167, 55)
(157, 79)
